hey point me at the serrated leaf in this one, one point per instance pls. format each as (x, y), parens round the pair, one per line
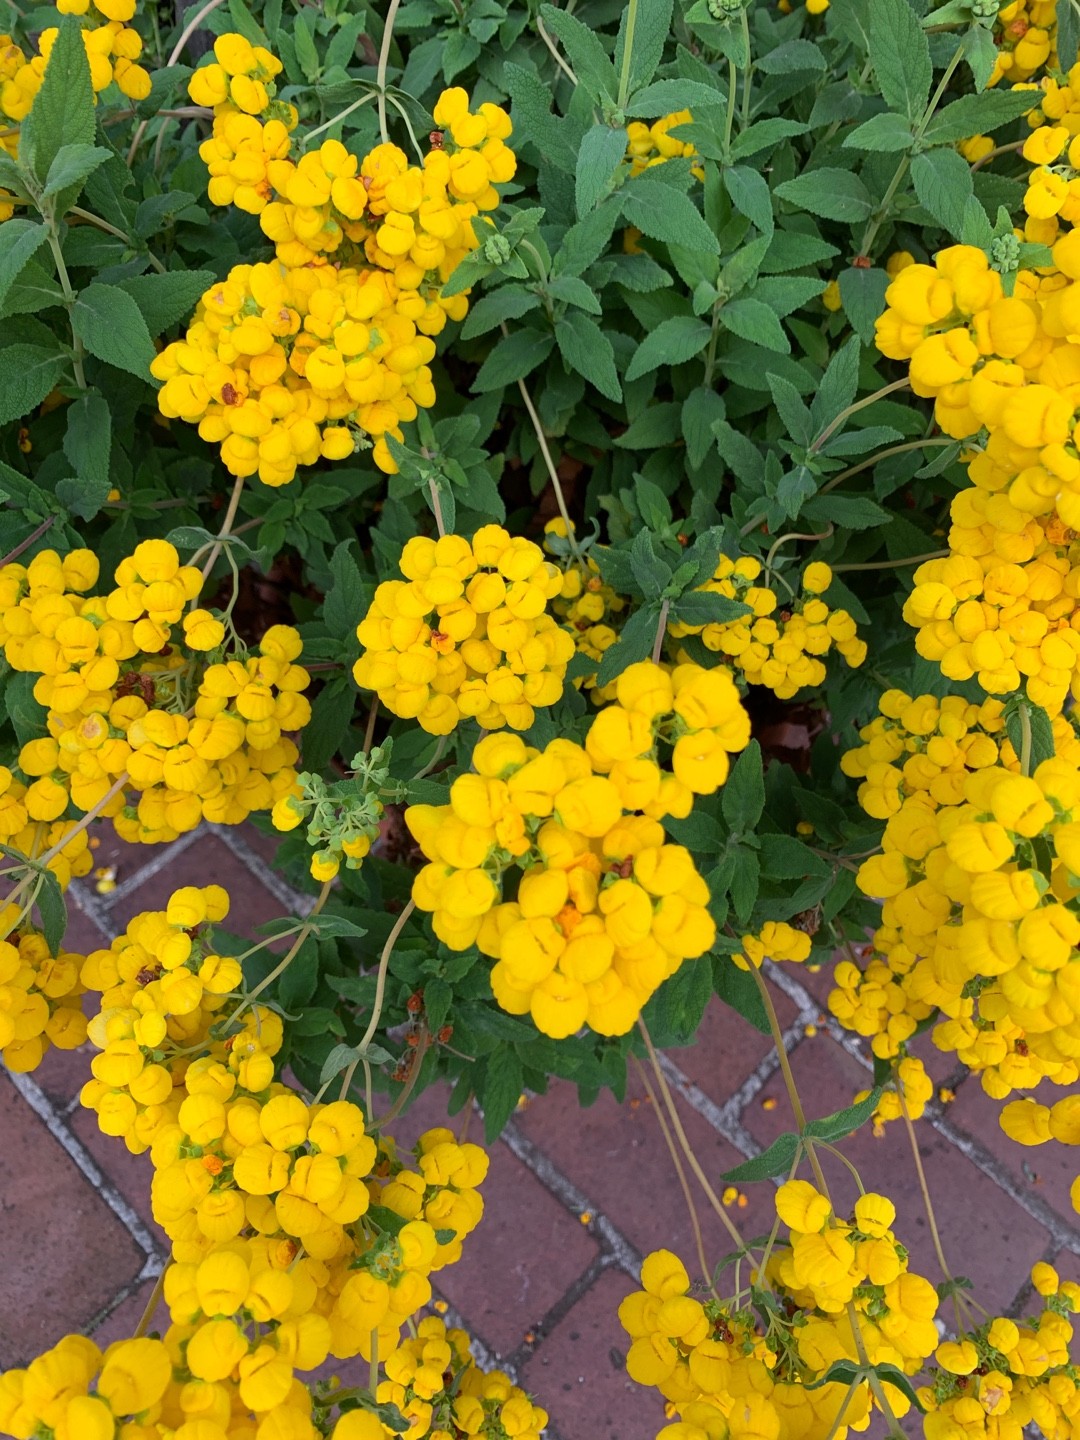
(1067, 38)
(743, 797)
(19, 242)
(943, 184)
(900, 55)
(664, 213)
(345, 602)
(635, 643)
(672, 342)
(600, 158)
(515, 356)
(110, 324)
(53, 911)
(587, 56)
(500, 1091)
(87, 445)
(164, 300)
(664, 97)
(862, 295)
(27, 374)
(509, 302)
(776, 1160)
(651, 33)
(850, 512)
(749, 192)
(887, 132)
(339, 1059)
(792, 409)
(753, 320)
(843, 1122)
(70, 168)
(701, 410)
(977, 115)
(63, 109)
(834, 194)
(706, 607)
(585, 348)
(764, 134)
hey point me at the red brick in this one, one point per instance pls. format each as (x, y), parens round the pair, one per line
(121, 1323)
(265, 846)
(523, 1257)
(207, 861)
(66, 1253)
(1046, 1170)
(985, 1234)
(111, 852)
(578, 1372)
(63, 1073)
(728, 1048)
(128, 1174)
(616, 1155)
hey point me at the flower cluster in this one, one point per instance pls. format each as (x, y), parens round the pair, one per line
(326, 351)
(1024, 35)
(27, 826)
(590, 610)
(343, 818)
(39, 995)
(112, 50)
(144, 700)
(1006, 1375)
(295, 1234)
(776, 940)
(779, 643)
(466, 633)
(605, 909)
(714, 1362)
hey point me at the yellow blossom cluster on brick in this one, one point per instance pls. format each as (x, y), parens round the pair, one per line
(466, 633)
(726, 1380)
(605, 909)
(780, 643)
(326, 351)
(776, 940)
(1007, 1375)
(137, 690)
(40, 994)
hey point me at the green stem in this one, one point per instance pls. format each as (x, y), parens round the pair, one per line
(384, 60)
(96, 220)
(748, 72)
(894, 564)
(853, 409)
(884, 455)
(628, 53)
(286, 960)
(339, 117)
(380, 979)
(661, 626)
(1025, 739)
(78, 354)
(729, 119)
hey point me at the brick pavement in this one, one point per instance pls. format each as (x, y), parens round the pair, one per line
(574, 1197)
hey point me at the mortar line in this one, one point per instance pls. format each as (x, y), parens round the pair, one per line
(724, 1124)
(125, 1293)
(485, 1358)
(1063, 1234)
(161, 859)
(95, 910)
(294, 900)
(39, 1102)
(566, 1192)
(574, 1292)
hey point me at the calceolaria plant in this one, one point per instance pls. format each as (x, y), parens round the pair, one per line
(454, 438)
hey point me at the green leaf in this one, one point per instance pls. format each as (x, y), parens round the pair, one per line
(834, 194)
(63, 110)
(753, 320)
(635, 643)
(776, 1160)
(656, 425)
(500, 1092)
(942, 180)
(673, 341)
(163, 300)
(509, 302)
(881, 132)
(843, 1122)
(893, 1375)
(862, 294)
(27, 716)
(70, 168)
(110, 324)
(1068, 34)
(87, 445)
(337, 927)
(588, 58)
(651, 573)
(852, 512)
(750, 195)
(736, 987)
(783, 857)
(706, 607)
(324, 734)
(701, 410)
(244, 22)
(900, 55)
(651, 33)
(838, 385)
(1038, 722)
(663, 213)
(664, 97)
(53, 911)
(792, 409)
(743, 797)
(346, 600)
(19, 241)
(840, 1372)
(977, 115)
(339, 1059)
(763, 135)
(599, 161)
(574, 291)
(514, 357)
(27, 374)
(585, 348)
(981, 53)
